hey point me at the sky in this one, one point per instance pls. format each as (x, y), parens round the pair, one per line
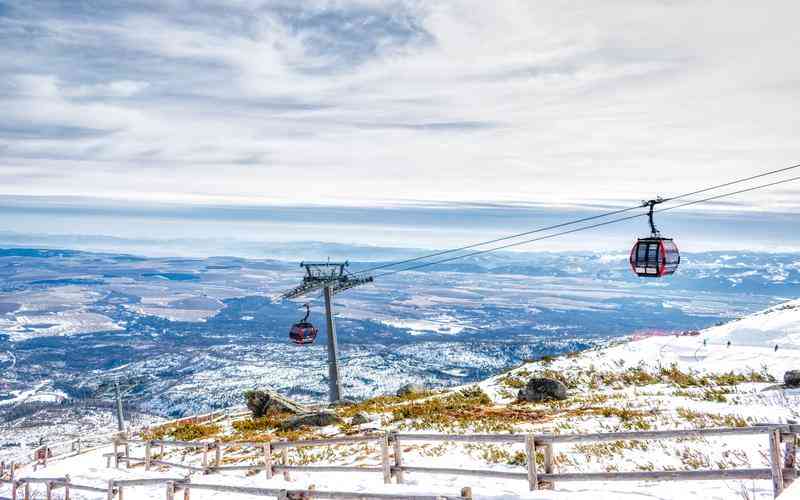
(382, 105)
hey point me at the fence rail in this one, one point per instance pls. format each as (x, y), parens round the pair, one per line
(267, 448)
(115, 489)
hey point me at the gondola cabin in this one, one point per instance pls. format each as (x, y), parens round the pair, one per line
(303, 332)
(654, 257)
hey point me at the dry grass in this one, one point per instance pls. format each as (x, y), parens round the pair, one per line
(702, 420)
(186, 431)
(380, 404)
(465, 409)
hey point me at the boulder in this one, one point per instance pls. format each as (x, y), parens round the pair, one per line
(262, 402)
(360, 418)
(542, 389)
(315, 419)
(792, 378)
(409, 389)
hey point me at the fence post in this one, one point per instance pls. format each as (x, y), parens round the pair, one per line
(387, 468)
(26, 494)
(14, 487)
(530, 451)
(466, 492)
(398, 458)
(110, 490)
(186, 491)
(170, 490)
(285, 461)
(775, 462)
(116, 453)
(161, 451)
(217, 453)
(147, 452)
(66, 487)
(789, 457)
(268, 460)
(205, 458)
(127, 457)
(548, 463)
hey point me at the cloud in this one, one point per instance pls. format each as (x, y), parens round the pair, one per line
(120, 88)
(372, 102)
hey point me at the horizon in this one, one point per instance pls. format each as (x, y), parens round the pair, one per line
(372, 233)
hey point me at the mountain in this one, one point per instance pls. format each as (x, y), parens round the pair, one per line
(650, 381)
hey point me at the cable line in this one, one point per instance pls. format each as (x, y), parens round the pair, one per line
(568, 223)
(583, 228)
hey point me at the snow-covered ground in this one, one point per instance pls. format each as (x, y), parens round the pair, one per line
(728, 375)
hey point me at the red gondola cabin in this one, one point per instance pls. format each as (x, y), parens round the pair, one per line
(303, 332)
(654, 257)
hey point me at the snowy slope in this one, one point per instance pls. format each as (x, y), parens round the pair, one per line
(683, 382)
(779, 325)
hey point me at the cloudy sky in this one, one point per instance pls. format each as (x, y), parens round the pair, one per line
(389, 103)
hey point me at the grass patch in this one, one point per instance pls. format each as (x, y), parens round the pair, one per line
(466, 409)
(702, 420)
(380, 404)
(185, 431)
(609, 449)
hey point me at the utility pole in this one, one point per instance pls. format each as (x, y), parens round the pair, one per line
(120, 421)
(331, 278)
(334, 385)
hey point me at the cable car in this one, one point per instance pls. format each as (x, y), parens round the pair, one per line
(303, 332)
(654, 256)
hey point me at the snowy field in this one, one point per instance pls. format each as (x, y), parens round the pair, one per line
(655, 382)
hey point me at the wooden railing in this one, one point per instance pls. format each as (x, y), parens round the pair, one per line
(782, 439)
(115, 490)
(274, 455)
(781, 471)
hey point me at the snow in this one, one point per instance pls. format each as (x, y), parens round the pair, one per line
(443, 324)
(779, 326)
(752, 341)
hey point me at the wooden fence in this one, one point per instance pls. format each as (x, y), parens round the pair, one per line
(115, 490)
(782, 441)
(274, 455)
(782, 455)
(781, 470)
(72, 447)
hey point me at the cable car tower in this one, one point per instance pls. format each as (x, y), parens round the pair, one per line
(331, 278)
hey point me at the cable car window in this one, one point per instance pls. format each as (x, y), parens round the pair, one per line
(641, 253)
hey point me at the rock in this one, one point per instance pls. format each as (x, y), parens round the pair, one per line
(543, 389)
(409, 389)
(262, 402)
(792, 378)
(315, 419)
(359, 418)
